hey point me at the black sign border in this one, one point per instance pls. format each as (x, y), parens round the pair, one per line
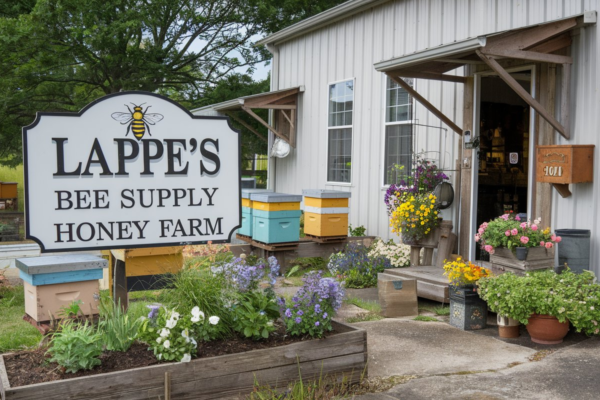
(137, 246)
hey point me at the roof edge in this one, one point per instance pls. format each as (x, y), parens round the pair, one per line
(320, 20)
(430, 54)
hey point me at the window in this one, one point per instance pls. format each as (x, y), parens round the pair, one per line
(339, 157)
(398, 132)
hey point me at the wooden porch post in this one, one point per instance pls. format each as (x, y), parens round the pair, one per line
(466, 162)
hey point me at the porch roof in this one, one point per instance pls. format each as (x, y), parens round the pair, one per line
(535, 43)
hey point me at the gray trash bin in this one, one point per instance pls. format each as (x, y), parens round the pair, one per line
(574, 248)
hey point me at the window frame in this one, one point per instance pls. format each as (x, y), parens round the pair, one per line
(329, 128)
(412, 121)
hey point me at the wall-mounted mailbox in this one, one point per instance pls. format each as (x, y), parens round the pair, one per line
(562, 165)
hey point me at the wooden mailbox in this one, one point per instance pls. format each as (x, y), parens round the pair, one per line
(562, 165)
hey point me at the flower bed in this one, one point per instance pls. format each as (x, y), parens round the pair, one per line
(343, 353)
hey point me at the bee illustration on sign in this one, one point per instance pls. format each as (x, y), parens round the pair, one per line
(139, 121)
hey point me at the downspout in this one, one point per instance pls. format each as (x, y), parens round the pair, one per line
(272, 161)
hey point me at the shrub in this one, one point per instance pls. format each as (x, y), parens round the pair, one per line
(358, 231)
(397, 253)
(255, 314)
(75, 347)
(310, 311)
(118, 330)
(356, 267)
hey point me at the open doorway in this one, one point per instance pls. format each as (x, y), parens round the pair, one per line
(503, 175)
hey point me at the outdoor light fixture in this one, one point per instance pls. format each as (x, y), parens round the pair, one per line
(445, 195)
(467, 139)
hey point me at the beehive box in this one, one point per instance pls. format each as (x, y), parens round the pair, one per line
(8, 190)
(564, 164)
(247, 220)
(276, 217)
(53, 282)
(325, 212)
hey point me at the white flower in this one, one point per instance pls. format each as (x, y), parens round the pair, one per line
(194, 342)
(186, 358)
(175, 315)
(186, 334)
(167, 344)
(592, 308)
(171, 323)
(165, 332)
(197, 315)
(270, 323)
(159, 356)
(159, 340)
(214, 320)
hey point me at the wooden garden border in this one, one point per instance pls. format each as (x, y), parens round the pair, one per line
(344, 353)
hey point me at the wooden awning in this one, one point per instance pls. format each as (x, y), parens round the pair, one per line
(284, 104)
(535, 43)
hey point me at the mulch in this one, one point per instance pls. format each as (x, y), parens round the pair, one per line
(32, 366)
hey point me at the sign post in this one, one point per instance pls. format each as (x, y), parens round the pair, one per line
(130, 170)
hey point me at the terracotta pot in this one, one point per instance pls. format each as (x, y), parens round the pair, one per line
(545, 329)
(508, 328)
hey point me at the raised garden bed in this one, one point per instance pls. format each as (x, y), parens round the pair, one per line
(342, 353)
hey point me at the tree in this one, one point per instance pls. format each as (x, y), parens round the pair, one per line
(59, 55)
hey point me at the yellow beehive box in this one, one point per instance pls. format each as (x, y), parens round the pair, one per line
(288, 206)
(247, 203)
(322, 203)
(8, 190)
(325, 224)
(44, 303)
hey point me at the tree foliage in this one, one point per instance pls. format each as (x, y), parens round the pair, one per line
(59, 55)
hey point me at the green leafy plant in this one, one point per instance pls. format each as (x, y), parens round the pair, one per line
(72, 310)
(425, 318)
(118, 330)
(303, 265)
(566, 296)
(358, 231)
(356, 267)
(255, 314)
(509, 231)
(76, 347)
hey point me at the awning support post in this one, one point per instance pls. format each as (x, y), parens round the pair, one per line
(247, 126)
(514, 85)
(425, 103)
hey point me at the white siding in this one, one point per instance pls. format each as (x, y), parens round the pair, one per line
(348, 49)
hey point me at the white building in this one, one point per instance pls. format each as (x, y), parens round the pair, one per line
(350, 122)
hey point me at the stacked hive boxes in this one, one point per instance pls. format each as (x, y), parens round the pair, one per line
(325, 212)
(247, 211)
(54, 282)
(276, 217)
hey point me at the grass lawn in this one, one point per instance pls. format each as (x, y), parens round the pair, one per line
(15, 334)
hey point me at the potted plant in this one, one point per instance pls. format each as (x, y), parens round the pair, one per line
(467, 310)
(517, 244)
(545, 302)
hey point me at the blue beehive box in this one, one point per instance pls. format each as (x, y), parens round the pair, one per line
(50, 270)
(247, 220)
(276, 226)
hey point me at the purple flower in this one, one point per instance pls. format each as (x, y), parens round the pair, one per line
(298, 320)
(317, 323)
(318, 308)
(300, 312)
(324, 315)
(288, 313)
(153, 311)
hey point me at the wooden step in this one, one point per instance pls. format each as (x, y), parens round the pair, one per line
(431, 282)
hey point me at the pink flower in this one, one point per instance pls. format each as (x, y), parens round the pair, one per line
(481, 230)
(484, 225)
(505, 217)
(524, 239)
(493, 251)
(477, 237)
(507, 233)
(517, 218)
(542, 243)
(557, 239)
(523, 225)
(534, 227)
(553, 237)
(489, 248)
(549, 245)
(514, 232)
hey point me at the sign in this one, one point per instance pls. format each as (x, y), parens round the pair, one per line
(130, 170)
(565, 164)
(513, 158)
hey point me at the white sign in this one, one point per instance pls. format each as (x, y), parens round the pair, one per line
(130, 170)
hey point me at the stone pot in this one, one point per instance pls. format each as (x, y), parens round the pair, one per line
(467, 310)
(508, 327)
(545, 329)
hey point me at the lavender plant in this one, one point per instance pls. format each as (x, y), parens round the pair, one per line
(314, 305)
(356, 266)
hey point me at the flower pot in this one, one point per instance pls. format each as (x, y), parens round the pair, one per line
(521, 253)
(545, 329)
(467, 310)
(508, 327)
(504, 260)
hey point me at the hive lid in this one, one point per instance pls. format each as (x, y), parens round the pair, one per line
(247, 192)
(52, 264)
(276, 197)
(326, 194)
